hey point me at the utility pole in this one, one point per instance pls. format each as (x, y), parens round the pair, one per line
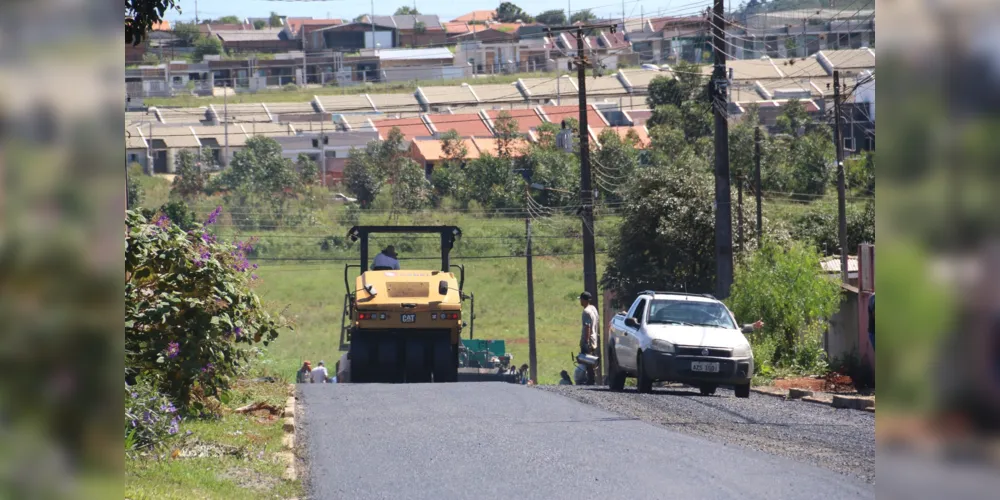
(841, 182)
(586, 190)
(373, 28)
(757, 194)
(739, 212)
(532, 355)
(225, 119)
(723, 208)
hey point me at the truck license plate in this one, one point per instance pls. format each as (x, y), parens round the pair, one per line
(412, 318)
(704, 367)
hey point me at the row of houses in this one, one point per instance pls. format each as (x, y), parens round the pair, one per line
(156, 147)
(752, 81)
(468, 46)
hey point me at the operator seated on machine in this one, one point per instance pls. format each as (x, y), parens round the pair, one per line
(386, 260)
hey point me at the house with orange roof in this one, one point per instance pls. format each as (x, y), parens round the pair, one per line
(476, 16)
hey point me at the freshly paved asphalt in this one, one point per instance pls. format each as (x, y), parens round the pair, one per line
(497, 440)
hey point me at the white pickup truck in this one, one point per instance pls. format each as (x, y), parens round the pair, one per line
(679, 337)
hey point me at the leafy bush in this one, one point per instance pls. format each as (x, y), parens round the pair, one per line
(179, 213)
(150, 417)
(784, 286)
(190, 313)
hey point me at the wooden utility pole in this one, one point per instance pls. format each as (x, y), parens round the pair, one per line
(723, 201)
(757, 187)
(841, 182)
(739, 212)
(586, 188)
(532, 355)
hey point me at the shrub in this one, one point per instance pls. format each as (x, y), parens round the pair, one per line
(190, 313)
(150, 417)
(784, 286)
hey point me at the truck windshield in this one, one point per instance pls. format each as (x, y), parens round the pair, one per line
(689, 312)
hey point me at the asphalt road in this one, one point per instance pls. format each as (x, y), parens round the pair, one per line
(497, 440)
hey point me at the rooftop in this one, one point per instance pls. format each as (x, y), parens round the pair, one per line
(476, 15)
(434, 53)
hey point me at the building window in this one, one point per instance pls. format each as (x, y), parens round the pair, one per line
(331, 154)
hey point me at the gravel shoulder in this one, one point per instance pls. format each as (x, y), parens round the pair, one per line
(836, 439)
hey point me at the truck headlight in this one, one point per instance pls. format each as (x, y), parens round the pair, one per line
(742, 351)
(662, 346)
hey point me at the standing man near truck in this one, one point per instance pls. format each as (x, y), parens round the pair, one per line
(588, 334)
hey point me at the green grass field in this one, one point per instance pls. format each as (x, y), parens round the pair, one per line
(314, 296)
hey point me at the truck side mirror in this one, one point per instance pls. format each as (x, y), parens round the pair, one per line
(748, 329)
(631, 322)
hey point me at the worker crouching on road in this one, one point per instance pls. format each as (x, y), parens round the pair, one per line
(304, 375)
(588, 334)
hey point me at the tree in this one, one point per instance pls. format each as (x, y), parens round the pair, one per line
(617, 159)
(141, 15)
(664, 90)
(261, 184)
(229, 20)
(554, 17)
(407, 11)
(447, 176)
(763, 288)
(259, 24)
(546, 133)
(555, 169)
(384, 162)
(134, 192)
(206, 45)
(692, 117)
(693, 81)
(190, 180)
(410, 188)
(666, 240)
(793, 118)
(275, 20)
(308, 170)
(361, 18)
(507, 12)
(187, 33)
(506, 131)
(812, 157)
(492, 183)
(582, 16)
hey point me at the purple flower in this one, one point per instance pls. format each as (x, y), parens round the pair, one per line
(173, 426)
(207, 237)
(135, 395)
(253, 277)
(135, 424)
(163, 222)
(209, 368)
(168, 407)
(214, 215)
(238, 331)
(188, 433)
(255, 266)
(173, 349)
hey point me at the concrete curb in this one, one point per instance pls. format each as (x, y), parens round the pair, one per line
(288, 440)
(861, 403)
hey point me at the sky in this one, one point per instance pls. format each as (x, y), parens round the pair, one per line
(446, 9)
